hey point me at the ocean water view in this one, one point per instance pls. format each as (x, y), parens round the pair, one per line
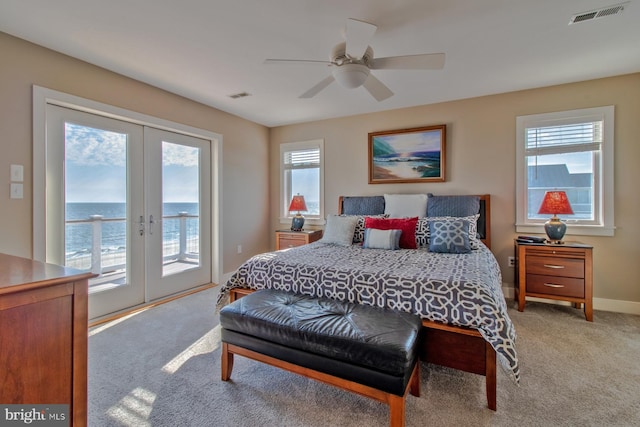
(79, 233)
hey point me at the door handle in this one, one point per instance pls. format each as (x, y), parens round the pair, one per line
(151, 222)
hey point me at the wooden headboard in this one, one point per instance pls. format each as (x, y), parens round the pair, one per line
(484, 221)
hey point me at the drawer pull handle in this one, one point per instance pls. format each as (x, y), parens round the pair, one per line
(554, 266)
(551, 285)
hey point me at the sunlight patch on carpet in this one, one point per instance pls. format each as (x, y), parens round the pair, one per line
(97, 329)
(206, 344)
(134, 409)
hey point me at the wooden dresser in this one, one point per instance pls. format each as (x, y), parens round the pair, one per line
(43, 335)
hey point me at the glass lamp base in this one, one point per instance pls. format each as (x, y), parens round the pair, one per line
(297, 223)
(555, 230)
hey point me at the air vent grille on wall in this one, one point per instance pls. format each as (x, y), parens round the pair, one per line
(599, 13)
(239, 95)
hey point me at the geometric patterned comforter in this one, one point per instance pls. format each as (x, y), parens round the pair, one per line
(457, 289)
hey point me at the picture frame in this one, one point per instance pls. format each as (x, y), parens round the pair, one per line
(408, 155)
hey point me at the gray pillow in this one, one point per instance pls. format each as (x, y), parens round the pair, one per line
(339, 230)
(381, 239)
(453, 205)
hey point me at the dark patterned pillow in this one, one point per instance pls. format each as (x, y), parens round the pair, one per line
(423, 232)
(449, 236)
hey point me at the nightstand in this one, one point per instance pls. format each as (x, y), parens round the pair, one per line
(291, 239)
(558, 272)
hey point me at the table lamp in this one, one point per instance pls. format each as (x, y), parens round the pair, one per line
(554, 203)
(297, 204)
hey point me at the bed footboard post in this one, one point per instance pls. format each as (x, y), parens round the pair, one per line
(490, 376)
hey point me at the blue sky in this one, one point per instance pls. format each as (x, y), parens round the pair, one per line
(95, 167)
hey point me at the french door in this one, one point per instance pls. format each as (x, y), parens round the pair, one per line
(128, 202)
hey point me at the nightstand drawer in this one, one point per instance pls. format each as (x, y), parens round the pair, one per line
(553, 285)
(291, 241)
(555, 266)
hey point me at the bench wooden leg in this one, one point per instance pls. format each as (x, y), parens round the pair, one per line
(396, 410)
(414, 382)
(227, 362)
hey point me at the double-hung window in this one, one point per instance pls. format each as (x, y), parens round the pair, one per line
(570, 151)
(301, 172)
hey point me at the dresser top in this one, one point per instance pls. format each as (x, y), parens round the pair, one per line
(18, 273)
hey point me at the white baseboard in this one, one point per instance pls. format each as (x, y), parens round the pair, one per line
(617, 306)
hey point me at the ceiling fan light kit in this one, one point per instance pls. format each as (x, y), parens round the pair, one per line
(352, 61)
(351, 76)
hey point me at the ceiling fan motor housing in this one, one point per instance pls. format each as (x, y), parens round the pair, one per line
(350, 72)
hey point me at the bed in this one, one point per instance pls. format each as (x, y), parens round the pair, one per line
(458, 295)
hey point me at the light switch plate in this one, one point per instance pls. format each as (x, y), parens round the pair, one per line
(17, 173)
(16, 191)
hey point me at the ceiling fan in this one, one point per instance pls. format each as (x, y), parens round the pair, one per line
(352, 61)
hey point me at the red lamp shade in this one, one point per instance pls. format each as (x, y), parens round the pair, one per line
(297, 204)
(555, 202)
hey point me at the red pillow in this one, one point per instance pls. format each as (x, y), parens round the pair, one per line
(407, 225)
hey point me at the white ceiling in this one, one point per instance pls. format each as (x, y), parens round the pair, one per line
(207, 50)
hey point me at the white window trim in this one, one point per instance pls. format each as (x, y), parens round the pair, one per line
(605, 186)
(43, 96)
(285, 216)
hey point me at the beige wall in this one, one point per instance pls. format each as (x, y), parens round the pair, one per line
(481, 159)
(480, 155)
(245, 144)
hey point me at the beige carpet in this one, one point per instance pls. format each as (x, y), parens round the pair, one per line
(161, 367)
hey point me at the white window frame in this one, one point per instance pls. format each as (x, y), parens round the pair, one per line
(603, 200)
(285, 216)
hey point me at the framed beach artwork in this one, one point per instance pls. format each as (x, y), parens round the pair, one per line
(407, 155)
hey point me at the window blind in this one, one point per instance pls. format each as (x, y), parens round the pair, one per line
(564, 138)
(306, 157)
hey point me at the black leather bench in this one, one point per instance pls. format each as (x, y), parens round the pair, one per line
(363, 349)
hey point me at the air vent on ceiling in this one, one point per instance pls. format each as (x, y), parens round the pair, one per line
(239, 95)
(598, 13)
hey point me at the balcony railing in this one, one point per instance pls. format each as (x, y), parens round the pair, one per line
(102, 246)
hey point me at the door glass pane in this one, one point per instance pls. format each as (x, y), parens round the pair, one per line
(95, 173)
(180, 208)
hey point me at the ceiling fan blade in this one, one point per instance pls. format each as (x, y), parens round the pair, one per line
(428, 61)
(317, 88)
(376, 88)
(358, 35)
(296, 61)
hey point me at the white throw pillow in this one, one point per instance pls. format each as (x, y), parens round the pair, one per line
(405, 205)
